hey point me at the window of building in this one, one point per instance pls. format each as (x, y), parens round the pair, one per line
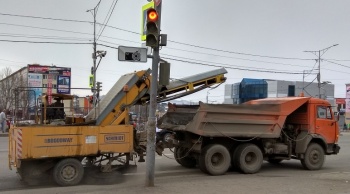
(291, 90)
(45, 85)
(44, 76)
(54, 86)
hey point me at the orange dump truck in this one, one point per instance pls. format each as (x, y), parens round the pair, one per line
(217, 136)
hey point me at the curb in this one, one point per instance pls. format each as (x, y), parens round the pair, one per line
(4, 134)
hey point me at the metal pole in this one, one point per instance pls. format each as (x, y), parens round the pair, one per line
(319, 74)
(94, 60)
(207, 96)
(303, 80)
(319, 65)
(151, 124)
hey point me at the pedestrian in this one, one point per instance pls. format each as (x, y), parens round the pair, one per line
(3, 120)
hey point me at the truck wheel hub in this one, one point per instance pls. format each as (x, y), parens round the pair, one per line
(250, 157)
(68, 173)
(216, 159)
(314, 156)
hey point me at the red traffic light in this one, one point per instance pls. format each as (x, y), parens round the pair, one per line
(152, 15)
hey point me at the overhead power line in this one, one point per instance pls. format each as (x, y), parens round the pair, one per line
(109, 14)
(244, 59)
(137, 33)
(43, 37)
(177, 42)
(239, 53)
(336, 63)
(243, 69)
(196, 60)
(337, 59)
(41, 42)
(51, 29)
(45, 18)
(69, 20)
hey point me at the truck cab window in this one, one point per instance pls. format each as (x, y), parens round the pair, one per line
(324, 112)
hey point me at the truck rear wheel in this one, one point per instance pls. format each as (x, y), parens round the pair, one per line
(68, 172)
(182, 159)
(248, 158)
(215, 159)
(314, 157)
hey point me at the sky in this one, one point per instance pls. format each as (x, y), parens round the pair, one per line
(250, 38)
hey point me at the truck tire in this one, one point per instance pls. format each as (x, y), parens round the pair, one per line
(185, 161)
(248, 158)
(68, 172)
(214, 159)
(314, 157)
(233, 163)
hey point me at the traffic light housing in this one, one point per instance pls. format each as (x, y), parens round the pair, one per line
(152, 25)
(99, 86)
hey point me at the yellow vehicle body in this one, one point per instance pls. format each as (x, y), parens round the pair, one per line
(102, 137)
(68, 141)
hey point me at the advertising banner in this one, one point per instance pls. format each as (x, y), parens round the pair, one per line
(347, 99)
(63, 84)
(63, 75)
(34, 80)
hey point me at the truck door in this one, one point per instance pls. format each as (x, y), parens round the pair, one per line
(325, 123)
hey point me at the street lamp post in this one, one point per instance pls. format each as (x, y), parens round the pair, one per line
(319, 54)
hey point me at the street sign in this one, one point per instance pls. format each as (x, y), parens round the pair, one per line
(132, 54)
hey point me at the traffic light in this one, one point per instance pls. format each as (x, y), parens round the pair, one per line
(99, 86)
(152, 25)
(91, 81)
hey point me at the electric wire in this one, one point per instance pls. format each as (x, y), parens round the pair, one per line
(239, 53)
(177, 42)
(68, 20)
(336, 63)
(43, 37)
(109, 17)
(215, 62)
(41, 42)
(243, 69)
(222, 56)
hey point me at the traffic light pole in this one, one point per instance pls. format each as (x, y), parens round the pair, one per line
(151, 124)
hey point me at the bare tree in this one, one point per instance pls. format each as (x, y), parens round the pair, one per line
(8, 83)
(6, 86)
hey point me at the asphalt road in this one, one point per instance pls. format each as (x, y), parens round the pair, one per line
(287, 177)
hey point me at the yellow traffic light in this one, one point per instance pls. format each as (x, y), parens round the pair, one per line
(152, 15)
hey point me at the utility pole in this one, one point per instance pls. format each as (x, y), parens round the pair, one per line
(151, 124)
(94, 56)
(319, 54)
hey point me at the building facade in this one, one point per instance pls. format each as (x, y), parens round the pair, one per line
(250, 89)
(23, 89)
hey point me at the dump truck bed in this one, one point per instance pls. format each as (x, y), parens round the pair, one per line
(259, 118)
